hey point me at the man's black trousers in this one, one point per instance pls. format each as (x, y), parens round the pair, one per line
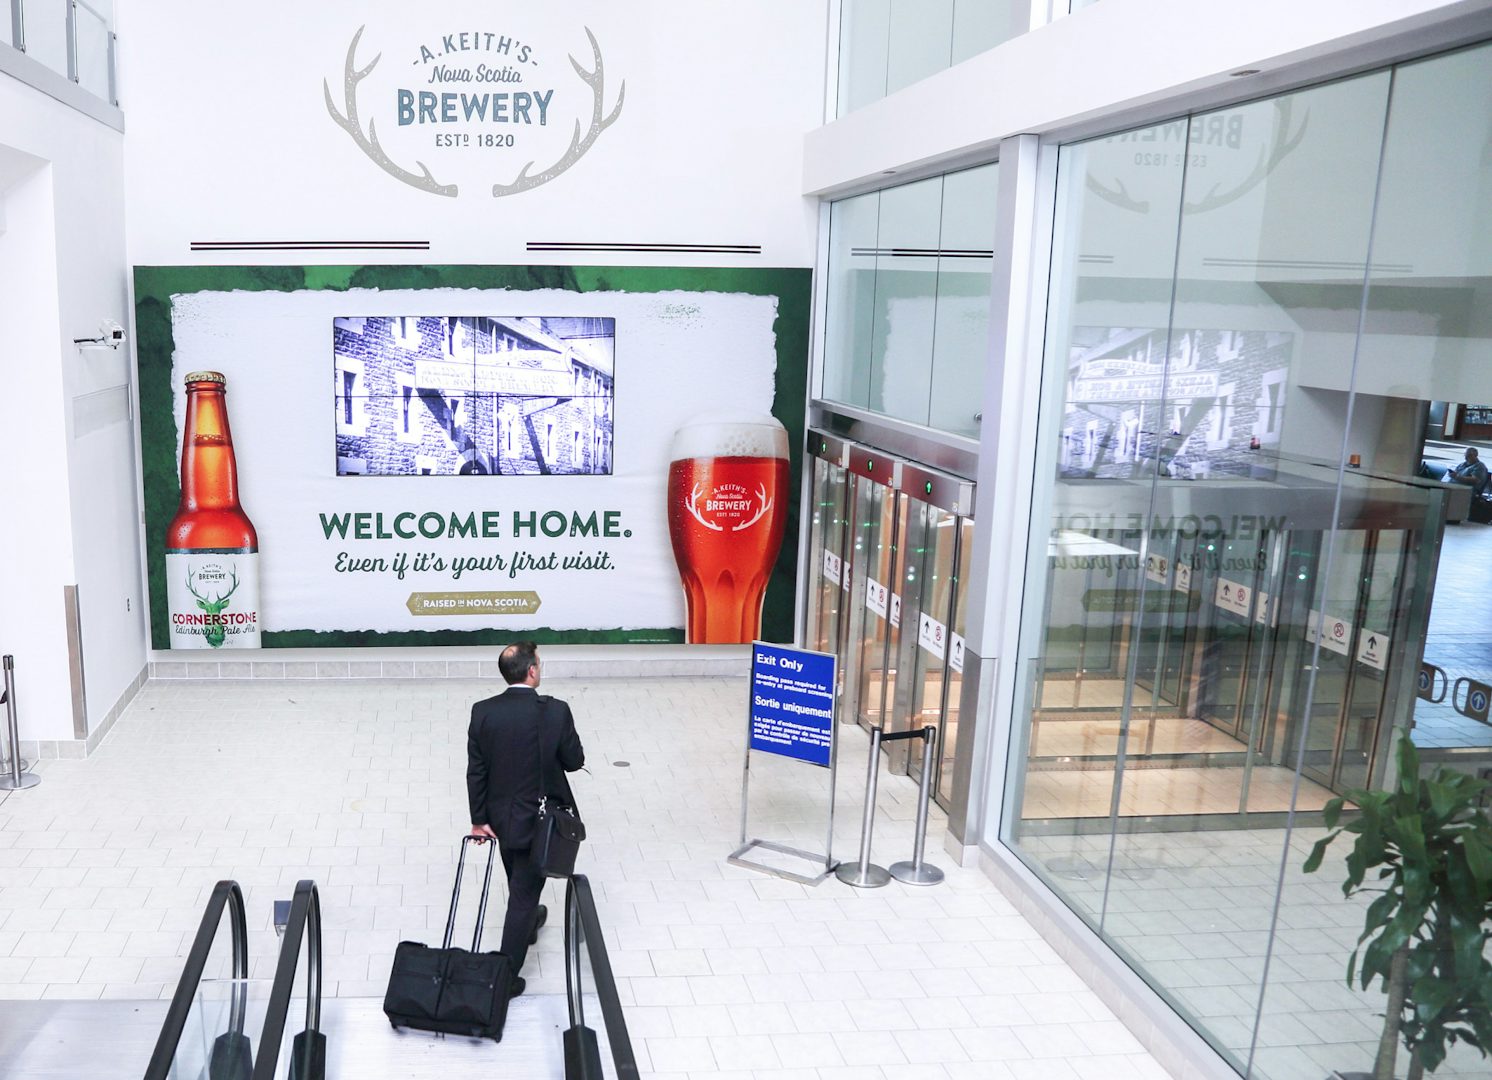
(525, 885)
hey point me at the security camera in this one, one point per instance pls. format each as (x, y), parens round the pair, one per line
(110, 333)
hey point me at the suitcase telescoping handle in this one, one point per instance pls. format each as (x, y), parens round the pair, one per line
(476, 936)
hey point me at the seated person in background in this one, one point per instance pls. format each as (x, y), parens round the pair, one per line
(1471, 471)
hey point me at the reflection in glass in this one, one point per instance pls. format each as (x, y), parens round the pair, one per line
(827, 597)
(961, 322)
(905, 300)
(864, 44)
(849, 311)
(954, 677)
(880, 517)
(1229, 587)
(908, 299)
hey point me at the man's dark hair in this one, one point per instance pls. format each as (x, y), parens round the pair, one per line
(516, 659)
(1471, 454)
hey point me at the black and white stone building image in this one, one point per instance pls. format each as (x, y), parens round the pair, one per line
(435, 395)
(1193, 403)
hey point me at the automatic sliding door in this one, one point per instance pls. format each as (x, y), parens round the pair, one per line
(927, 583)
(878, 516)
(827, 545)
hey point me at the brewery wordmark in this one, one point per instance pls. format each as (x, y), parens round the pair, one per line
(518, 107)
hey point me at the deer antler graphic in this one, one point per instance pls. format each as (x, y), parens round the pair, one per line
(596, 80)
(1118, 195)
(692, 505)
(1280, 145)
(212, 607)
(765, 504)
(214, 634)
(369, 143)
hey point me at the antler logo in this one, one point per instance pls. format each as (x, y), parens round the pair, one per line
(460, 120)
(1201, 141)
(214, 632)
(729, 505)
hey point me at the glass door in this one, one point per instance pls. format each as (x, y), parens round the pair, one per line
(953, 680)
(831, 580)
(923, 636)
(879, 514)
(1381, 582)
(1332, 620)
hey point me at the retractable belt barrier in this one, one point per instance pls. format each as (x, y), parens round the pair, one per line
(14, 778)
(863, 874)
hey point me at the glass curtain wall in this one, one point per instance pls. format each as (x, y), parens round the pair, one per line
(1231, 583)
(885, 45)
(907, 314)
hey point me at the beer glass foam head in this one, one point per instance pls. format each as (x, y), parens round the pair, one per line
(731, 435)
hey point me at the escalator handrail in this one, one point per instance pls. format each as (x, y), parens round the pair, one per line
(583, 926)
(224, 894)
(304, 923)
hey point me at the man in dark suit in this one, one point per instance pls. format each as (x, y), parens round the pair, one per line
(510, 736)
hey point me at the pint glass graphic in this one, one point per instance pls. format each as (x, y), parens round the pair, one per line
(727, 508)
(212, 550)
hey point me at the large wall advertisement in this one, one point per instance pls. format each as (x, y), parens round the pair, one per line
(467, 454)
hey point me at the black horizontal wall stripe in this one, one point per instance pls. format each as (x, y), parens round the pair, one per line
(598, 245)
(310, 245)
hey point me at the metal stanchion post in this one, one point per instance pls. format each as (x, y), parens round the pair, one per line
(15, 779)
(917, 872)
(864, 874)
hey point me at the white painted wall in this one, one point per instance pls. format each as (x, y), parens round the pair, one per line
(237, 142)
(62, 270)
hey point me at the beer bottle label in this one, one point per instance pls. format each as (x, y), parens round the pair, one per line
(214, 598)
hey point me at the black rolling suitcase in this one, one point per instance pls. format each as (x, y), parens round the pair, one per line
(452, 990)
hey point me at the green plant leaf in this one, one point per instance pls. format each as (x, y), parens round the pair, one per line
(1408, 763)
(1479, 860)
(1467, 939)
(1332, 812)
(1432, 1053)
(1443, 799)
(1430, 996)
(1379, 912)
(1318, 851)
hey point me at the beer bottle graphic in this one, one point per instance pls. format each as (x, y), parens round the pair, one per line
(727, 511)
(212, 551)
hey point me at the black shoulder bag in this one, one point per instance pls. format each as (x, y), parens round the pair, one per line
(558, 829)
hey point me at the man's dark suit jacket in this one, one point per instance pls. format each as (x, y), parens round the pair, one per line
(508, 735)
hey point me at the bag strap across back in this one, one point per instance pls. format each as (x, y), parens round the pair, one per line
(539, 744)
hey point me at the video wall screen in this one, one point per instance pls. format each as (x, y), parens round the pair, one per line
(465, 395)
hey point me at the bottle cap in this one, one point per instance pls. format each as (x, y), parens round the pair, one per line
(206, 376)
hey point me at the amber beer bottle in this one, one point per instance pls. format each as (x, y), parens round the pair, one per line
(727, 509)
(212, 551)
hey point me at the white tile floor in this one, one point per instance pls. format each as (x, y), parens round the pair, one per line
(725, 972)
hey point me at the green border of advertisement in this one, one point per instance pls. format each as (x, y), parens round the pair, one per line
(156, 285)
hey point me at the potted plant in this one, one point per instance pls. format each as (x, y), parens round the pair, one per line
(1425, 846)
